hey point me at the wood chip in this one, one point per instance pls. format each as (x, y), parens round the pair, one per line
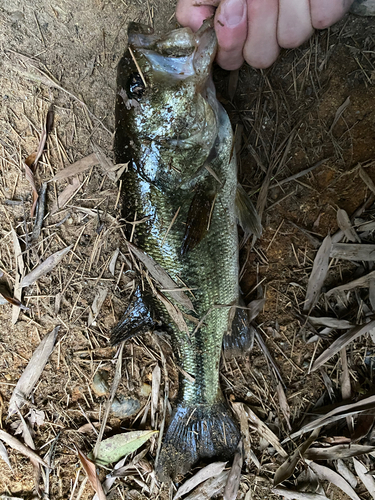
(45, 267)
(32, 372)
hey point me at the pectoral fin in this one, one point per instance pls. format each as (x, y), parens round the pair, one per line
(198, 220)
(247, 215)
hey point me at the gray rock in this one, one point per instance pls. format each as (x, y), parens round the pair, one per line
(363, 7)
(123, 407)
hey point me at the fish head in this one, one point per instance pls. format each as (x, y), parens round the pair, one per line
(161, 82)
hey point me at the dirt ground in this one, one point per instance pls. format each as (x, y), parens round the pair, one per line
(286, 119)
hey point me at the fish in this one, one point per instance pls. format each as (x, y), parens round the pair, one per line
(182, 203)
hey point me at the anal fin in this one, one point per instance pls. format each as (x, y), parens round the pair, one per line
(197, 432)
(239, 338)
(135, 321)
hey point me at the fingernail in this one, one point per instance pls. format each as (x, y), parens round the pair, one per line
(233, 12)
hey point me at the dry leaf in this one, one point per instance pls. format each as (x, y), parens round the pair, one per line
(92, 475)
(43, 138)
(366, 478)
(156, 378)
(77, 167)
(161, 276)
(245, 433)
(326, 474)
(30, 177)
(318, 274)
(339, 112)
(346, 473)
(339, 324)
(45, 267)
(211, 470)
(339, 451)
(255, 307)
(366, 178)
(353, 251)
(18, 446)
(210, 488)
(66, 195)
(284, 404)
(99, 299)
(112, 264)
(342, 342)
(20, 270)
(264, 431)
(234, 478)
(345, 225)
(174, 312)
(363, 282)
(32, 372)
(297, 495)
(287, 468)
(4, 455)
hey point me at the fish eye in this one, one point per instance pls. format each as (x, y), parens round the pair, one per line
(136, 87)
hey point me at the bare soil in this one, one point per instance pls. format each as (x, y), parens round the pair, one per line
(286, 119)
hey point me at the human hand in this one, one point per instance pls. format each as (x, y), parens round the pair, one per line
(255, 30)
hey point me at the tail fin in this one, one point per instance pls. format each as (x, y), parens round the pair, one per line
(197, 432)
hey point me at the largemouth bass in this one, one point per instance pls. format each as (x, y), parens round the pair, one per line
(182, 201)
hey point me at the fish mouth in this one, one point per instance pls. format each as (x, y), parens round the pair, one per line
(180, 53)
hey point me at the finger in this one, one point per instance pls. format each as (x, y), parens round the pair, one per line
(192, 14)
(294, 25)
(261, 48)
(324, 14)
(231, 31)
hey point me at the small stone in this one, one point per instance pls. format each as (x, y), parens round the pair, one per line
(99, 384)
(363, 8)
(125, 407)
(145, 390)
